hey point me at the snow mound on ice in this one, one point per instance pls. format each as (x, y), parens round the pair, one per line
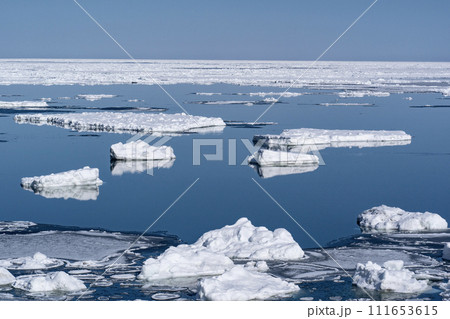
(185, 261)
(38, 261)
(57, 281)
(446, 251)
(264, 157)
(240, 283)
(81, 177)
(391, 277)
(117, 122)
(6, 278)
(245, 241)
(95, 97)
(140, 150)
(392, 218)
(332, 138)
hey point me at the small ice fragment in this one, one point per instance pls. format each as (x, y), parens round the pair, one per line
(140, 150)
(165, 296)
(57, 281)
(240, 283)
(385, 218)
(391, 277)
(6, 278)
(123, 277)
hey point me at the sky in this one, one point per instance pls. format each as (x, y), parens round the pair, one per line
(392, 30)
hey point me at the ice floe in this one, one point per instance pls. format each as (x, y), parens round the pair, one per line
(385, 218)
(22, 104)
(118, 168)
(38, 261)
(265, 157)
(240, 283)
(14, 226)
(185, 261)
(140, 150)
(345, 104)
(331, 138)
(95, 97)
(6, 278)
(446, 251)
(82, 177)
(391, 277)
(363, 93)
(117, 122)
(57, 281)
(242, 240)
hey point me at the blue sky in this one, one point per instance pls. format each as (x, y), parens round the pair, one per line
(416, 30)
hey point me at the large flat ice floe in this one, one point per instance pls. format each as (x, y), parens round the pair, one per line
(140, 151)
(6, 278)
(245, 241)
(264, 157)
(392, 77)
(240, 283)
(116, 122)
(385, 218)
(57, 281)
(82, 177)
(185, 261)
(332, 138)
(391, 277)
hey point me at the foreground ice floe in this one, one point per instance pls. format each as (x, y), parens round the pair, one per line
(385, 218)
(38, 261)
(264, 157)
(391, 277)
(117, 122)
(6, 278)
(22, 104)
(140, 150)
(118, 168)
(240, 283)
(446, 251)
(95, 97)
(81, 177)
(57, 281)
(330, 138)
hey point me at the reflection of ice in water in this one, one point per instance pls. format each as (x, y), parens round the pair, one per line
(119, 168)
(272, 171)
(73, 192)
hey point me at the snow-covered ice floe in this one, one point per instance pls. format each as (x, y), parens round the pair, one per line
(118, 168)
(22, 104)
(38, 261)
(331, 138)
(57, 281)
(446, 251)
(82, 177)
(245, 241)
(213, 252)
(117, 122)
(355, 93)
(6, 278)
(240, 283)
(385, 218)
(272, 171)
(391, 277)
(95, 97)
(264, 157)
(139, 151)
(14, 226)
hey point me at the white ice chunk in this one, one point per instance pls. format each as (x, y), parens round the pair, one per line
(140, 150)
(6, 278)
(117, 122)
(260, 265)
(240, 283)
(446, 251)
(95, 97)
(385, 218)
(391, 277)
(245, 241)
(25, 104)
(57, 281)
(185, 261)
(331, 138)
(264, 157)
(82, 177)
(38, 261)
(15, 226)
